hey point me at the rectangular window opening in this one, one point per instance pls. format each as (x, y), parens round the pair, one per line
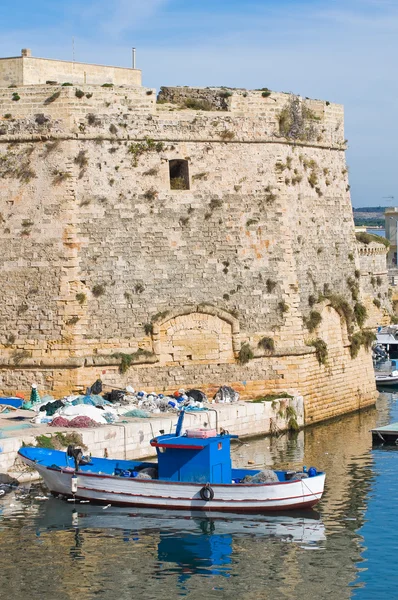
(179, 174)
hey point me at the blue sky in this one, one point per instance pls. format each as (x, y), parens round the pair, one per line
(339, 50)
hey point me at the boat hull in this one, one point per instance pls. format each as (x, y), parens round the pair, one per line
(152, 493)
(387, 381)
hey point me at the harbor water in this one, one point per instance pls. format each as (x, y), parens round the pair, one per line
(51, 549)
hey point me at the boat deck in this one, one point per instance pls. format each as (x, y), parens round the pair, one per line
(388, 434)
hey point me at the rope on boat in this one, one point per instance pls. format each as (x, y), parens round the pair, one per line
(312, 493)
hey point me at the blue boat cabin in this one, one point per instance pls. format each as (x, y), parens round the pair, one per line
(194, 460)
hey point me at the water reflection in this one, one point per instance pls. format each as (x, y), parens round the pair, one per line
(53, 549)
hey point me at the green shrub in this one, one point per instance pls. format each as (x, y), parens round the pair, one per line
(376, 302)
(267, 344)
(67, 84)
(93, 120)
(367, 238)
(126, 360)
(16, 97)
(270, 285)
(321, 350)
(313, 179)
(81, 159)
(360, 313)
(73, 320)
(283, 307)
(178, 183)
(81, 298)
(272, 397)
(79, 93)
(245, 354)
(194, 104)
(356, 343)
(98, 290)
(107, 85)
(363, 338)
(53, 97)
(226, 135)
(313, 320)
(354, 288)
(341, 305)
(137, 149)
(311, 300)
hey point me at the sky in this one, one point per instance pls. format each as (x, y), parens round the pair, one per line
(344, 51)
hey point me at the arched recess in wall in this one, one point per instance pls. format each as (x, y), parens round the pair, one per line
(333, 327)
(196, 334)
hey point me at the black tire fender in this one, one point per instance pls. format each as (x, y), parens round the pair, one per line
(206, 493)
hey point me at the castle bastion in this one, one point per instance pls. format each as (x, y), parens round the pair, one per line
(201, 239)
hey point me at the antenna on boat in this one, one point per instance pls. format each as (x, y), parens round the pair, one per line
(180, 422)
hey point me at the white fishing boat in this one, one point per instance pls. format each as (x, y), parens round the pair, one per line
(193, 472)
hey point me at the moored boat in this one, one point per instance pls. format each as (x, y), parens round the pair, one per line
(390, 379)
(193, 472)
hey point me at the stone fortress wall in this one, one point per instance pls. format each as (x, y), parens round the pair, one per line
(99, 255)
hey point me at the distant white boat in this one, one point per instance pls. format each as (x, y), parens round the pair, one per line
(387, 379)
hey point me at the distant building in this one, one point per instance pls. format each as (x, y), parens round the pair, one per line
(391, 226)
(29, 70)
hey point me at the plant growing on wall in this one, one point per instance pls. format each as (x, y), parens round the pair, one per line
(367, 238)
(363, 338)
(60, 176)
(81, 298)
(53, 97)
(150, 194)
(291, 417)
(313, 321)
(270, 284)
(360, 313)
(226, 135)
(267, 344)
(195, 104)
(137, 149)
(353, 287)
(283, 307)
(81, 159)
(341, 306)
(297, 121)
(19, 355)
(98, 290)
(245, 354)
(321, 350)
(269, 195)
(126, 360)
(178, 183)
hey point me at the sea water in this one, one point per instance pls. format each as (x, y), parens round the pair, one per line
(346, 548)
